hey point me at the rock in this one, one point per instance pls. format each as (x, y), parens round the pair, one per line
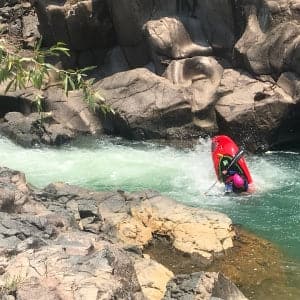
(33, 130)
(63, 119)
(193, 231)
(153, 277)
(252, 111)
(169, 40)
(115, 62)
(273, 51)
(134, 219)
(30, 27)
(71, 111)
(14, 192)
(290, 83)
(55, 272)
(22, 232)
(82, 25)
(202, 285)
(70, 227)
(146, 105)
(149, 107)
(203, 76)
(208, 24)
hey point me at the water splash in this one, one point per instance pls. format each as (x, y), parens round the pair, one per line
(110, 164)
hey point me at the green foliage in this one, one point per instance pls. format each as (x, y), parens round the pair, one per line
(10, 285)
(19, 72)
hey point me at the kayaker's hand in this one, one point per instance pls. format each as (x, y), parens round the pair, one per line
(224, 172)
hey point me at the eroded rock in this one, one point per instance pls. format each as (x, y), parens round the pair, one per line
(252, 111)
(202, 285)
(64, 271)
(135, 218)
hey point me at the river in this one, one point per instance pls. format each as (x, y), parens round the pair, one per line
(272, 212)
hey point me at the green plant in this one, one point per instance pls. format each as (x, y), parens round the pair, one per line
(19, 72)
(10, 285)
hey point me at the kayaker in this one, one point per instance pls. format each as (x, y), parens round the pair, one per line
(234, 182)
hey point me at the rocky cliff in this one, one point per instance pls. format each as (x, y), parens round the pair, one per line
(172, 70)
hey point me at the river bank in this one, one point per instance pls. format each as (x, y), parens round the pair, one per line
(254, 264)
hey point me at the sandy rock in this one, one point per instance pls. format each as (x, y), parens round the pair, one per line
(55, 272)
(194, 231)
(134, 218)
(153, 277)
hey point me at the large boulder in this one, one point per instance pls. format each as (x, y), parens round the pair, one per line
(145, 105)
(169, 40)
(148, 106)
(202, 75)
(252, 111)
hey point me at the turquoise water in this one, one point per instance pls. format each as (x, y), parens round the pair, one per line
(273, 211)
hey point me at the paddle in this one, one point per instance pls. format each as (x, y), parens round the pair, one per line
(233, 161)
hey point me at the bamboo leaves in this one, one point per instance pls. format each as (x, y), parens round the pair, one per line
(19, 72)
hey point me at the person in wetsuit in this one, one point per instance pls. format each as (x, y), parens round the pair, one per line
(234, 182)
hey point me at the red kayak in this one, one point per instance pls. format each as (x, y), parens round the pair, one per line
(223, 150)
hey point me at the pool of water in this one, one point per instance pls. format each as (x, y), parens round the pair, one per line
(273, 211)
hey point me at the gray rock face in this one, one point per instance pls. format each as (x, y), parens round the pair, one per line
(63, 119)
(73, 270)
(65, 242)
(169, 40)
(133, 218)
(85, 26)
(146, 105)
(204, 286)
(21, 232)
(252, 111)
(18, 19)
(76, 24)
(212, 17)
(268, 52)
(32, 130)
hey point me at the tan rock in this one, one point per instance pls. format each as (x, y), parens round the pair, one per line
(153, 277)
(192, 230)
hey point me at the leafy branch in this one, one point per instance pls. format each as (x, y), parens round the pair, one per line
(19, 72)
